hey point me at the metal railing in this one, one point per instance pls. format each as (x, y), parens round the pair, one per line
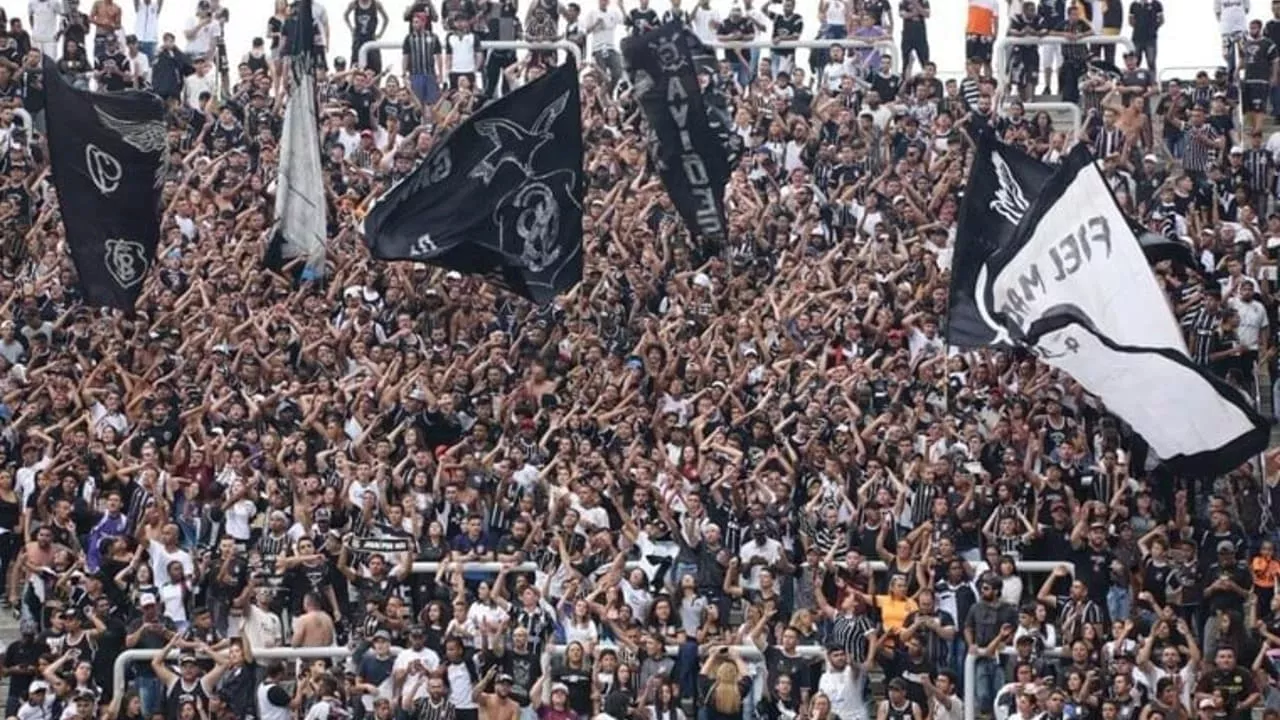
(746, 652)
(875, 566)
(569, 47)
(1077, 115)
(282, 653)
(885, 45)
(971, 671)
(1000, 53)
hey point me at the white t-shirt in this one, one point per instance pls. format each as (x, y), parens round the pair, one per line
(603, 37)
(195, 85)
(140, 66)
(836, 12)
(238, 517)
(160, 559)
(844, 689)
(462, 52)
(770, 550)
(204, 40)
(1253, 321)
(44, 26)
(430, 660)
(1233, 15)
(173, 599)
(146, 25)
(705, 22)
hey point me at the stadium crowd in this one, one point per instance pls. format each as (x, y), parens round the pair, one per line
(749, 481)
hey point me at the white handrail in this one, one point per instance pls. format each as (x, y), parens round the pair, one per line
(884, 44)
(1003, 45)
(971, 686)
(569, 47)
(1077, 115)
(422, 568)
(282, 653)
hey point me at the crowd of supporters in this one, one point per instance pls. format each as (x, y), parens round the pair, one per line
(749, 481)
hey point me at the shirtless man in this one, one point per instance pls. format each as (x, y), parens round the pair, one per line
(105, 16)
(497, 705)
(39, 562)
(314, 628)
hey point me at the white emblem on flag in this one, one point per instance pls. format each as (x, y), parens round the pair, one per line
(126, 261)
(1009, 202)
(424, 247)
(104, 170)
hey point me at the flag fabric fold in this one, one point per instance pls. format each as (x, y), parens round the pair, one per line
(501, 196)
(108, 153)
(692, 143)
(1071, 282)
(300, 224)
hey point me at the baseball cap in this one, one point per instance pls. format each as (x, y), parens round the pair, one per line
(1207, 704)
(146, 599)
(560, 687)
(382, 635)
(1226, 546)
(183, 660)
(38, 686)
(504, 678)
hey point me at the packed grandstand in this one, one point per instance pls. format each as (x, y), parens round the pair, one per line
(735, 482)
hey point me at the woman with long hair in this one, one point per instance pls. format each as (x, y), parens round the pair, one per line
(665, 703)
(728, 685)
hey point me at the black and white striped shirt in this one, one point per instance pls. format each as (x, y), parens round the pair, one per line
(428, 709)
(420, 49)
(1200, 151)
(850, 633)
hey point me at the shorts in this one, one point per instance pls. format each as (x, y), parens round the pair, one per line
(978, 47)
(1255, 95)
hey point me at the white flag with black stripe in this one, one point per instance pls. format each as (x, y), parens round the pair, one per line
(1074, 286)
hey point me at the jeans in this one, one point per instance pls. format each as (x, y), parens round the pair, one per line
(426, 88)
(151, 692)
(988, 681)
(148, 49)
(1119, 600)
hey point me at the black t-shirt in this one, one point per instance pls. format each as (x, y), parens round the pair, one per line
(1259, 56)
(1093, 568)
(797, 667)
(1234, 685)
(642, 20)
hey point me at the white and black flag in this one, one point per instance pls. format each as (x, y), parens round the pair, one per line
(500, 196)
(108, 153)
(1072, 284)
(301, 209)
(695, 148)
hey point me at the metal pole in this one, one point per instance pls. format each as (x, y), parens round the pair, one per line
(307, 653)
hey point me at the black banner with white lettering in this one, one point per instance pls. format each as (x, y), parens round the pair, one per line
(690, 152)
(382, 545)
(501, 196)
(1072, 284)
(108, 155)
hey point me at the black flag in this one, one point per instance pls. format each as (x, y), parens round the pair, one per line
(108, 155)
(501, 196)
(1073, 285)
(1002, 183)
(692, 150)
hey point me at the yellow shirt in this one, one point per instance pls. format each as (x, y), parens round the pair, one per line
(893, 613)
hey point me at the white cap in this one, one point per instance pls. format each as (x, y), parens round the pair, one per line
(146, 599)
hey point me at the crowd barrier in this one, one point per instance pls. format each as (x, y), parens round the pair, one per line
(363, 55)
(1000, 53)
(122, 661)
